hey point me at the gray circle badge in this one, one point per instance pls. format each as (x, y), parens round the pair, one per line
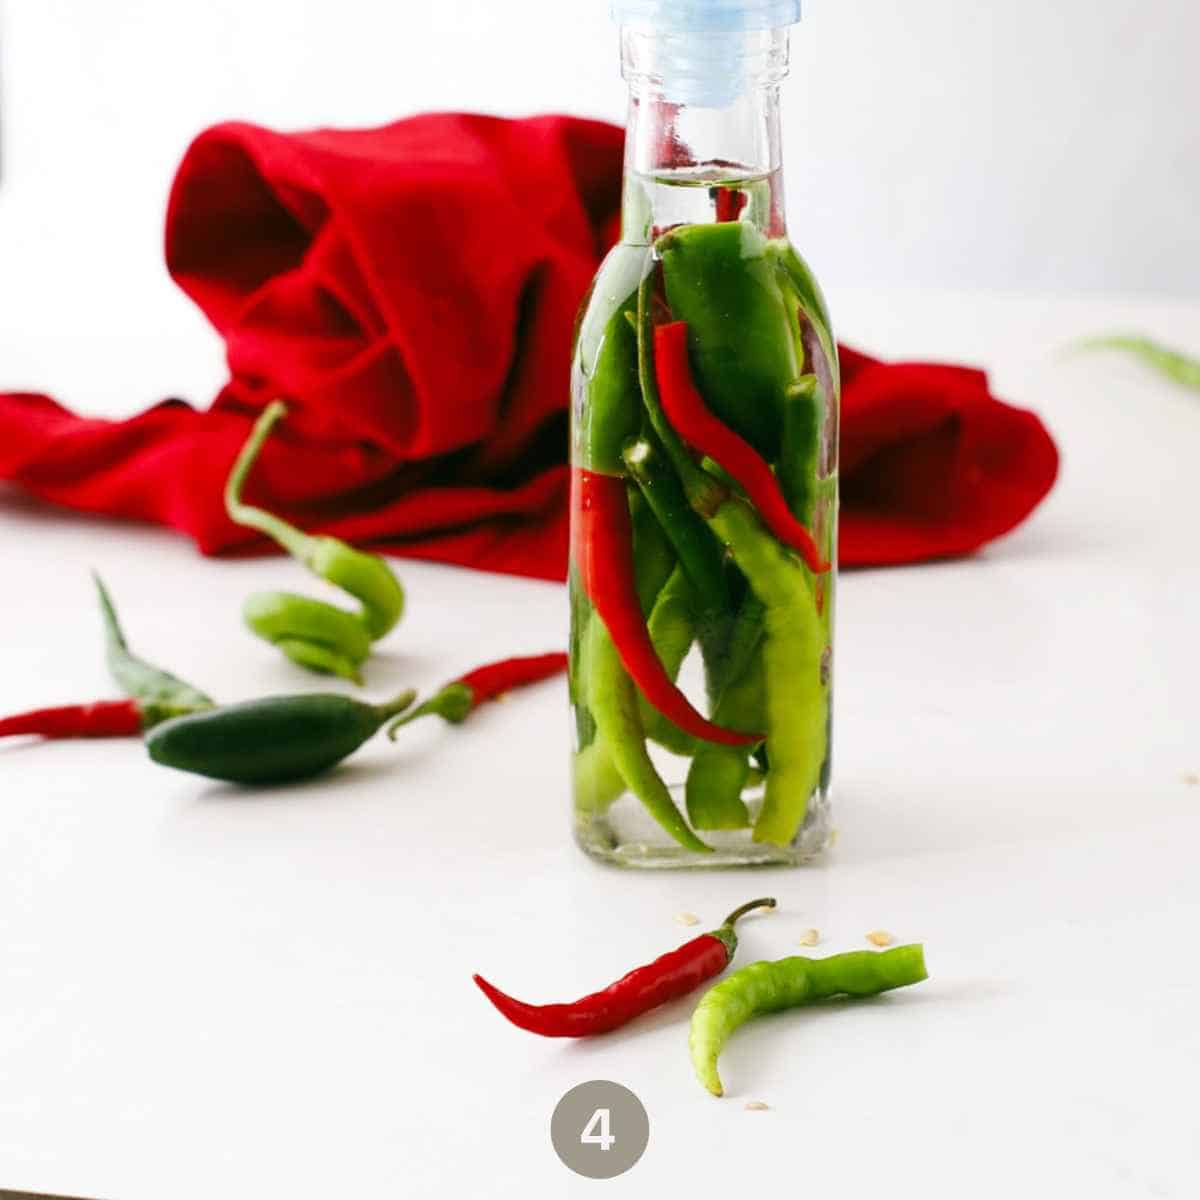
(600, 1129)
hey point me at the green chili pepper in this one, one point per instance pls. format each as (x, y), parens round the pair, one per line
(278, 616)
(613, 409)
(685, 466)
(810, 402)
(672, 630)
(699, 553)
(803, 417)
(718, 774)
(1171, 363)
(653, 555)
(743, 644)
(271, 740)
(135, 676)
(314, 634)
(766, 987)
(597, 781)
(719, 279)
(807, 291)
(613, 699)
(668, 625)
(607, 357)
(796, 686)
(577, 671)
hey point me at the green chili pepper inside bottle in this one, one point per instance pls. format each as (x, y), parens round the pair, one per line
(704, 470)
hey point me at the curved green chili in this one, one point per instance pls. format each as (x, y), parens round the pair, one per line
(766, 987)
(613, 699)
(311, 633)
(796, 686)
(597, 781)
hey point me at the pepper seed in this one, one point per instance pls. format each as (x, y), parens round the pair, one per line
(880, 937)
(686, 918)
(756, 1106)
(810, 937)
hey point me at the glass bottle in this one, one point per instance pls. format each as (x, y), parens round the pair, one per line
(704, 424)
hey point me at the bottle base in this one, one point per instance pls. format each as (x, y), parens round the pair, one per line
(624, 835)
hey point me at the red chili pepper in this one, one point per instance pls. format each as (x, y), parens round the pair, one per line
(496, 678)
(458, 699)
(603, 552)
(667, 978)
(105, 718)
(687, 412)
(729, 203)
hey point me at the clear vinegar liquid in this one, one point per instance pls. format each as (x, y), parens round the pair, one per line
(698, 195)
(621, 831)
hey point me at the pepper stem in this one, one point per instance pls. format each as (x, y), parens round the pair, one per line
(293, 540)
(453, 703)
(750, 906)
(422, 710)
(394, 707)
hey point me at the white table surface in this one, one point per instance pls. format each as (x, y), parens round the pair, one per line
(210, 993)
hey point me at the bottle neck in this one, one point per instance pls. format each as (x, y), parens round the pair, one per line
(702, 136)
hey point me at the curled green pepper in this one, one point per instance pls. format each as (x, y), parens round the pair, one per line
(314, 634)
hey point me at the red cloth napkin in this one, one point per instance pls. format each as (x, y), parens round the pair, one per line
(411, 290)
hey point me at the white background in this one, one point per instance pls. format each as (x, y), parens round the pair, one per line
(1017, 145)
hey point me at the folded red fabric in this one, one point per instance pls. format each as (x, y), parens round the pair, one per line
(411, 291)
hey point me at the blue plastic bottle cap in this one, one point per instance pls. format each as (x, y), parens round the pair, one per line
(706, 16)
(696, 64)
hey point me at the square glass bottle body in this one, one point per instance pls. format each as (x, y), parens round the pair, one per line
(704, 491)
